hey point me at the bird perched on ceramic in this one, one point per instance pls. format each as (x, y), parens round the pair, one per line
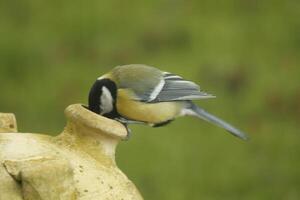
(142, 94)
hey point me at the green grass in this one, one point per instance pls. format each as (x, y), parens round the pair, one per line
(244, 52)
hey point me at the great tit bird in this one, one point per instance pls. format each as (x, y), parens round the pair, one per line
(142, 94)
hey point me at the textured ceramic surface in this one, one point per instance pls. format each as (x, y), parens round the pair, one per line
(77, 164)
(8, 123)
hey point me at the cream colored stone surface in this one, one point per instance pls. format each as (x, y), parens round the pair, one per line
(77, 164)
(8, 123)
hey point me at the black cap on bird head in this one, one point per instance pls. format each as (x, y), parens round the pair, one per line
(102, 98)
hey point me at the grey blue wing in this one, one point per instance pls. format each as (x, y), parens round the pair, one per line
(175, 88)
(152, 85)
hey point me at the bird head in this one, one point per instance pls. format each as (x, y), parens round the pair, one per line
(102, 97)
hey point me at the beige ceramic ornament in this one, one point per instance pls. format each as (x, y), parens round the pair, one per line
(78, 164)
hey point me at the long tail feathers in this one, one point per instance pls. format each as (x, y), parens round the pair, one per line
(201, 113)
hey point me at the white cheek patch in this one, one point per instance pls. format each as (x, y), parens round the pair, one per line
(106, 101)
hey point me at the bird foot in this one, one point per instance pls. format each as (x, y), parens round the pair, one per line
(128, 136)
(125, 124)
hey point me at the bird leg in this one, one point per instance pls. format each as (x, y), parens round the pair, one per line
(125, 124)
(128, 136)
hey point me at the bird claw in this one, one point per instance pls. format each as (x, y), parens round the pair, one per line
(128, 136)
(125, 124)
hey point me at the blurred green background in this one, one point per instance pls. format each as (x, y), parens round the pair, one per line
(246, 52)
